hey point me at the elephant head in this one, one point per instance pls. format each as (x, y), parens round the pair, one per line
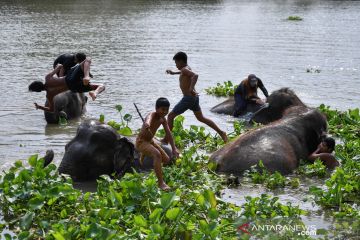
(67, 105)
(277, 103)
(95, 150)
(124, 156)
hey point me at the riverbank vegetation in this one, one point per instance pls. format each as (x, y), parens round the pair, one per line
(38, 203)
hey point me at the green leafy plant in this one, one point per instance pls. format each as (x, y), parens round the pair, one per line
(195, 135)
(315, 169)
(342, 189)
(38, 203)
(222, 90)
(294, 18)
(266, 206)
(259, 174)
(123, 126)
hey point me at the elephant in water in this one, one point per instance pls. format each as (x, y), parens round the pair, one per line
(98, 149)
(277, 103)
(68, 105)
(281, 144)
(228, 106)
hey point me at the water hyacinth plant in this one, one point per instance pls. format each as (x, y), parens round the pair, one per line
(122, 127)
(225, 89)
(38, 203)
(294, 18)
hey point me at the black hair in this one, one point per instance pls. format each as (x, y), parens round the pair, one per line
(36, 86)
(251, 76)
(80, 56)
(162, 102)
(180, 56)
(330, 143)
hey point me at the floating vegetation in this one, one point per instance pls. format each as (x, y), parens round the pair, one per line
(222, 90)
(122, 127)
(38, 203)
(315, 169)
(294, 18)
(260, 175)
(314, 69)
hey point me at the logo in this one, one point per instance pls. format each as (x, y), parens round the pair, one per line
(302, 230)
(244, 227)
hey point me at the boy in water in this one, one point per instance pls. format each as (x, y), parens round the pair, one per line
(76, 80)
(146, 145)
(190, 99)
(324, 152)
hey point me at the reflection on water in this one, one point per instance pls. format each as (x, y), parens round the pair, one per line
(297, 197)
(132, 44)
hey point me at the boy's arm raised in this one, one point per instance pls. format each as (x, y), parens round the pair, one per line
(171, 72)
(54, 71)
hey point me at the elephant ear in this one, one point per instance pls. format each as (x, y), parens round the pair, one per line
(123, 156)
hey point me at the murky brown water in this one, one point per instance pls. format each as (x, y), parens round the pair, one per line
(132, 44)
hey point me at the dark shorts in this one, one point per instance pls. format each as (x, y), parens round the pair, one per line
(187, 102)
(74, 80)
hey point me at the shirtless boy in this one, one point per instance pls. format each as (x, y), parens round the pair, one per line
(68, 61)
(76, 80)
(190, 99)
(146, 145)
(324, 152)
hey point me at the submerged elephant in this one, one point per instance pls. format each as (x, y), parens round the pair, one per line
(279, 145)
(68, 105)
(98, 149)
(228, 106)
(279, 101)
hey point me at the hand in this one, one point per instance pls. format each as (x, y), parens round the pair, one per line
(59, 65)
(86, 80)
(259, 101)
(146, 125)
(168, 71)
(176, 153)
(36, 106)
(194, 93)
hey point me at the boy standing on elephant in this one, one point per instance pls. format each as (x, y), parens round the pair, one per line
(146, 145)
(190, 98)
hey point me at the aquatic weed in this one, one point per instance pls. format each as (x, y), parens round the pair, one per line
(225, 89)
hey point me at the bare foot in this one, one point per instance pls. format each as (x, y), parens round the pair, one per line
(163, 186)
(224, 137)
(92, 95)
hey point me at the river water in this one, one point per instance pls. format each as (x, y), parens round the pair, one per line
(132, 44)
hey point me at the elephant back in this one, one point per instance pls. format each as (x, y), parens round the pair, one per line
(70, 103)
